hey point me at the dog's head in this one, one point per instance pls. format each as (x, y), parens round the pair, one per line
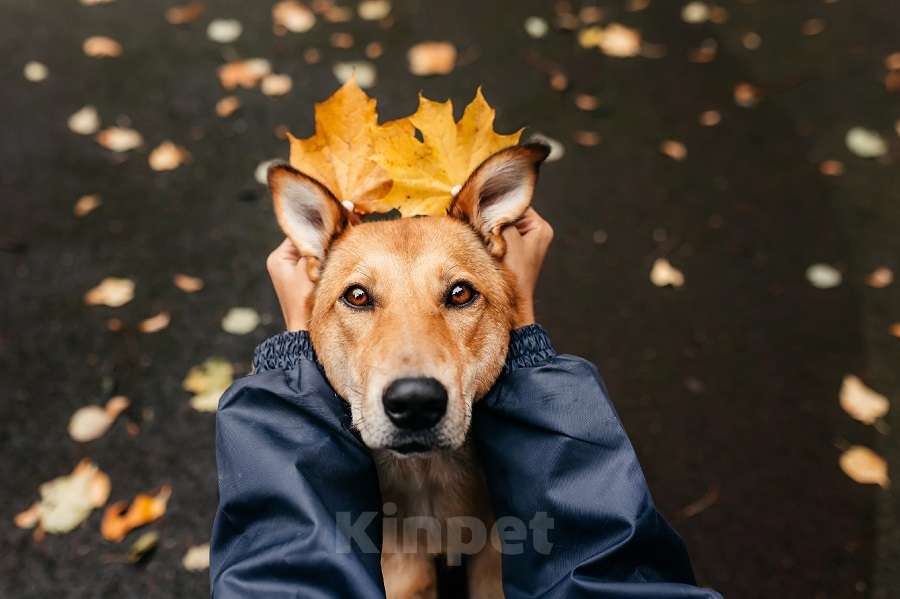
(411, 317)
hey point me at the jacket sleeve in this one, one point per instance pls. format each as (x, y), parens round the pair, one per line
(299, 504)
(573, 510)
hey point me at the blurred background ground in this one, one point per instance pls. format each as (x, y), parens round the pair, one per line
(728, 385)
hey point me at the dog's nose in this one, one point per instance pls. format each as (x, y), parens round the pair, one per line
(415, 403)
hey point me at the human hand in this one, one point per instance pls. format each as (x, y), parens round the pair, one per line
(527, 242)
(294, 288)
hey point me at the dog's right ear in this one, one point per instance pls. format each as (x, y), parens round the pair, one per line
(308, 213)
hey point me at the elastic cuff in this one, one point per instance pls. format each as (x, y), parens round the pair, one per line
(529, 346)
(283, 351)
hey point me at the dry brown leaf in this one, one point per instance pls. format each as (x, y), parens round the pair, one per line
(341, 39)
(709, 499)
(751, 40)
(112, 292)
(340, 154)
(591, 14)
(892, 61)
(432, 58)
(312, 56)
(864, 466)
(85, 121)
(240, 321)
(208, 382)
(636, 5)
(155, 324)
(585, 138)
(861, 402)
(663, 274)
(614, 40)
(880, 277)
(227, 105)
(167, 156)
(718, 15)
(587, 102)
(92, 422)
(812, 27)
(894, 329)
(374, 50)
(67, 501)
(710, 118)
(99, 46)
(197, 558)
(93, 2)
(119, 139)
(35, 71)
(746, 95)
(187, 283)
(293, 16)
(338, 14)
(276, 85)
(374, 10)
(144, 509)
(86, 204)
(244, 73)
(224, 31)
(831, 168)
(184, 13)
(426, 173)
(673, 149)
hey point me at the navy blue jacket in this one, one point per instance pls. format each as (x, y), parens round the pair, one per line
(550, 442)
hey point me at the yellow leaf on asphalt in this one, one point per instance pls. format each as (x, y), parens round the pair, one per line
(244, 73)
(112, 292)
(154, 324)
(67, 501)
(167, 156)
(144, 509)
(187, 283)
(208, 382)
(119, 139)
(91, 422)
(196, 558)
(86, 204)
(864, 466)
(861, 402)
(339, 155)
(427, 173)
(100, 46)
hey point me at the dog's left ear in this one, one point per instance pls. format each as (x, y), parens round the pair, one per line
(499, 192)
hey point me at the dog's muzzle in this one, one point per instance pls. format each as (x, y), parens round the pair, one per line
(415, 404)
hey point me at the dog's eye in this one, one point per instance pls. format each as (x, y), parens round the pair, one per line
(460, 294)
(356, 296)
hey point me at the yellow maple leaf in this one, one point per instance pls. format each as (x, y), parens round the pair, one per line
(426, 173)
(339, 155)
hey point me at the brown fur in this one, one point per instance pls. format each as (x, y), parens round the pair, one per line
(407, 266)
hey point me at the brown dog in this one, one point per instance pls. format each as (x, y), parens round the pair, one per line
(411, 320)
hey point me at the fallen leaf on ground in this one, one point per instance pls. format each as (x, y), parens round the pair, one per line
(695, 12)
(894, 329)
(35, 71)
(92, 422)
(636, 5)
(155, 324)
(112, 292)
(208, 382)
(338, 14)
(144, 509)
(187, 283)
(374, 50)
(880, 277)
(184, 13)
(240, 321)
(865, 143)
(196, 558)
(590, 14)
(614, 40)
(710, 118)
(100, 46)
(432, 58)
(709, 499)
(224, 31)
(861, 402)
(746, 95)
(143, 546)
(227, 105)
(86, 204)
(751, 40)
(67, 501)
(673, 149)
(244, 73)
(293, 16)
(663, 274)
(536, 27)
(831, 168)
(93, 2)
(167, 156)
(374, 10)
(864, 466)
(823, 276)
(85, 121)
(892, 61)
(706, 52)
(341, 39)
(812, 27)
(276, 84)
(364, 72)
(425, 173)
(588, 139)
(119, 139)
(587, 102)
(340, 154)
